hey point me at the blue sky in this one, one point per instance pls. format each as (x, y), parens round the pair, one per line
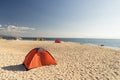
(60, 18)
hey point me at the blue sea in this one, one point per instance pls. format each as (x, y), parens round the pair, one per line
(111, 43)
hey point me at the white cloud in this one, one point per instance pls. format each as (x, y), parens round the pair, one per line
(1, 28)
(13, 30)
(18, 29)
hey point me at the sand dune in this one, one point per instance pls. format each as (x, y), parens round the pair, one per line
(74, 61)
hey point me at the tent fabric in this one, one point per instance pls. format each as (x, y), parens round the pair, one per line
(38, 57)
(57, 41)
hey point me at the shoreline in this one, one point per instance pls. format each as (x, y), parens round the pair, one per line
(109, 43)
(90, 44)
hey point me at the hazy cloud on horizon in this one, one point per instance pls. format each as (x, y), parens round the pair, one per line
(13, 30)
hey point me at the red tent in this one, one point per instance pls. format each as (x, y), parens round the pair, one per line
(38, 57)
(57, 41)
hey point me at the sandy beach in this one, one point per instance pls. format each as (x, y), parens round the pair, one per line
(75, 61)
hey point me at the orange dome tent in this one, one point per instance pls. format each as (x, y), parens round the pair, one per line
(57, 41)
(38, 57)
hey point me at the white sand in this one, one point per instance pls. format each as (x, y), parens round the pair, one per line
(74, 61)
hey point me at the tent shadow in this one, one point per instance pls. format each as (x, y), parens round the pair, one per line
(19, 67)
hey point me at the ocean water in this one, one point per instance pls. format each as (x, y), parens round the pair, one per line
(111, 43)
